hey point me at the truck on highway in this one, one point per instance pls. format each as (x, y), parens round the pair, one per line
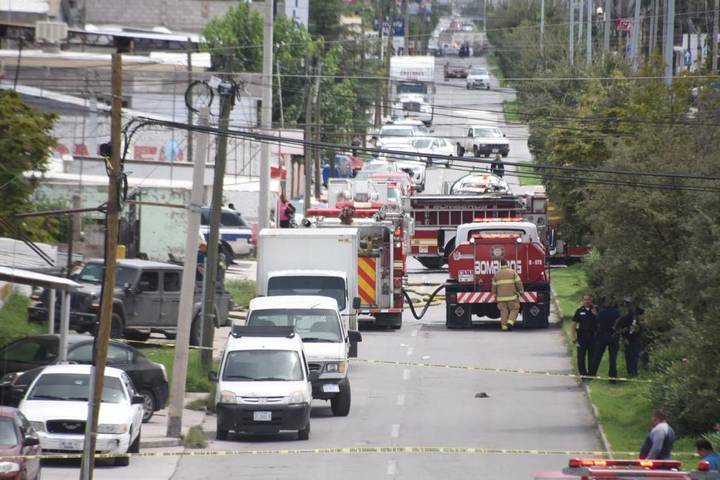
(436, 218)
(412, 80)
(309, 261)
(479, 247)
(383, 245)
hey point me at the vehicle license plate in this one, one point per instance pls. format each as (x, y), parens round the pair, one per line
(68, 445)
(331, 388)
(262, 416)
(495, 150)
(423, 249)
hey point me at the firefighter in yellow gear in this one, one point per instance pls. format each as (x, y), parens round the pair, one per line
(507, 287)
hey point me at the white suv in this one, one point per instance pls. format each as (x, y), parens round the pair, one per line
(56, 406)
(326, 341)
(263, 383)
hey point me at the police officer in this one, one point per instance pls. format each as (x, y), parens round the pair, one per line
(631, 333)
(507, 287)
(607, 337)
(497, 167)
(583, 333)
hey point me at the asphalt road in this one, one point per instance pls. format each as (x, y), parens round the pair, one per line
(395, 405)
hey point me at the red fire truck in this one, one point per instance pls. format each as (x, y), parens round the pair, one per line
(609, 469)
(476, 258)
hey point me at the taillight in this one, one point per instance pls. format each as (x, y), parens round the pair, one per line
(703, 466)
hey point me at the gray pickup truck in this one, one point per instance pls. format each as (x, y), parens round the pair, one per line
(147, 300)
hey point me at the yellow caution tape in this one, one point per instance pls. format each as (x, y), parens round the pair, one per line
(339, 451)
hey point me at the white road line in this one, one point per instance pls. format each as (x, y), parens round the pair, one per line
(401, 400)
(395, 431)
(410, 351)
(414, 333)
(392, 467)
(406, 374)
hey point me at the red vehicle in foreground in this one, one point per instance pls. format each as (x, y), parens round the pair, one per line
(17, 438)
(608, 469)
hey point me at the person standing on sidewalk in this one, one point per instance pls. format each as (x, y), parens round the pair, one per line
(659, 442)
(507, 288)
(606, 337)
(583, 333)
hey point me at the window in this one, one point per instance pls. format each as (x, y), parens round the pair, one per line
(171, 281)
(333, 287)
(470, 132)
(263, 365)
(316, 325)
(30, 351)
(94, 273)
(74, 386)
(8, 433)
(117, 354)
(150, 281)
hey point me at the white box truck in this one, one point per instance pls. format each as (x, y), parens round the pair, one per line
(311, 262)
(413, 87)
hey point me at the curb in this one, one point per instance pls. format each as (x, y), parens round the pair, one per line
(160, 442)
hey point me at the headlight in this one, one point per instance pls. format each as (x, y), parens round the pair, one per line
(112, 428)
(9, 467)
(38, 426)
(226, 396)
(298, 396)
(336, 367)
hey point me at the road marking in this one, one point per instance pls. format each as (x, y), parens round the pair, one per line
(410, 351)
(401, 400)
(395, 431)
(414, 333)
(406, 374)
(392, 467)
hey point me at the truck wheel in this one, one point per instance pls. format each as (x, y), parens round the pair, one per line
(135, 447)
(196, 331)
(220, 433)
(340, 403)
(117, 327)
(395, 320)
(304, 434)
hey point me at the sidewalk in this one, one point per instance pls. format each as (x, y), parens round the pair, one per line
(154, 432)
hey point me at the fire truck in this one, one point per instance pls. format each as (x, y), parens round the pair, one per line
(610, 469)
(479, 247)
(437, 218)
(384, 232)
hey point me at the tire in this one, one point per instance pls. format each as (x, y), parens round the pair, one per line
(149, 404)
(170, 335)
(487, 88)
(467, 86)
(196, 331)
(304, 434)
(117, 326)
(122, 461)
(136, 336)
(135, 446)
(220, 433)
(340, 403)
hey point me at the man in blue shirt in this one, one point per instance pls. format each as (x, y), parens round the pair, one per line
(659, 442)
(706, 452)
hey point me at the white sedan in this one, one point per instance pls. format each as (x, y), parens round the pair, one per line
(434, 146)
(56, 406)
(478, 77)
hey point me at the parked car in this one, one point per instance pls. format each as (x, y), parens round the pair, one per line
(478, 77)
(22, 361)
(18, 439)
(57, 407)
(434, 146)
(393, 134)
(376, 166)
(486, 140)
(455, 69)
(235, 233)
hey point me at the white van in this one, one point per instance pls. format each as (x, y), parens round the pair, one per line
(263, 383)
(326, 340)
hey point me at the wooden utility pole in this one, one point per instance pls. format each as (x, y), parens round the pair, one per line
(189, 147)
(307, 134)
(102, 337)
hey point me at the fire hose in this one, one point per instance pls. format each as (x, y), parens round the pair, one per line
(427, 304)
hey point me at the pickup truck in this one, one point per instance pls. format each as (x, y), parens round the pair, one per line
(485, 140)
(146, 300)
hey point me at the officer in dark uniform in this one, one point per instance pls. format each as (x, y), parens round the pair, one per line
(583, 333)
(497, 167)
(606, 337)
(631, 334)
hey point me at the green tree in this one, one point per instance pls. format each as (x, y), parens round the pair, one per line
(324, 19)
(236, 36)
(25, 143)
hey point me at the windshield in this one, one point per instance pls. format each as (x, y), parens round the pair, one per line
(412, 88)
(8, 433)
(488, 132)
(378, 167)
(397, 132)
(456, 65)
(75, 387)
(496, 231)
(94, 273)
(263, 365)
(422, 143)
(478, 71)
(333, 287)
(313, 325)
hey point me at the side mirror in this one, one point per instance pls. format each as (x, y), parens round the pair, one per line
(356, 303)
(354, 336)
(314, 376)
(31, 441)
(142, 286)
(137, 400)
(212, 376)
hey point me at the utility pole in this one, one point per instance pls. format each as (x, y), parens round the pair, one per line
(608, 26)
(635, 45)
(485, 17)
(187, 294)
(669, 40)
(714, 40)
(289, 185)
(571, 31)
(227, 100)
(542, 26)
(378, 88)
(581, 9)
(189, 111)
(266, 123)
(307, 134)
(112, 216)
(316, 167)
(588, 33)
(406, 28)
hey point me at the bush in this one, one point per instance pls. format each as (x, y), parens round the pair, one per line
(14, 322)
(195, 438)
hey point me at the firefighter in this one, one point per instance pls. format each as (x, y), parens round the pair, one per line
(507, 287)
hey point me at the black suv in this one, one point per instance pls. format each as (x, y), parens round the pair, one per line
(23, 360)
